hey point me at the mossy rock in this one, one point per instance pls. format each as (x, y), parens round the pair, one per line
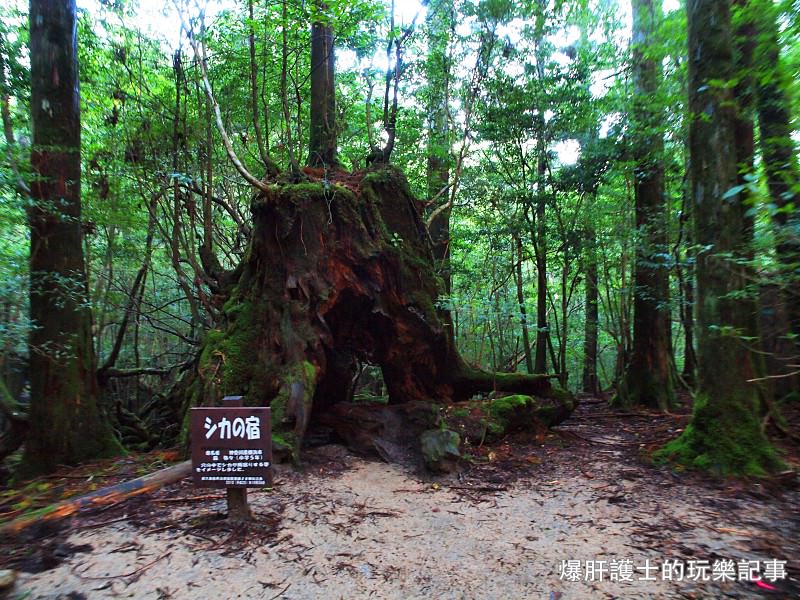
(512, 412)
(440, 450)
(489, 420)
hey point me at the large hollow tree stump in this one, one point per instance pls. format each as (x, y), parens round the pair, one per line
(339, 270)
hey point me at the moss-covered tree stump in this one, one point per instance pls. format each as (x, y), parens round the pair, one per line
(338, 270)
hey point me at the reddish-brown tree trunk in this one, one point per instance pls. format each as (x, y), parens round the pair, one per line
(648, 378)
(322, 140)
(725, 433)
(66, 424)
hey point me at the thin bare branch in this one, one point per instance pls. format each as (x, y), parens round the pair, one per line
(200, 57)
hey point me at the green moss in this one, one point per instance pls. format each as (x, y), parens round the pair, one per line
(278, 408)
(227, 356)
(298, 193)
(494, 428)
(562, 396)
(724, 442)
(643, 389)
(285, 443)
(366, 398)
(503, 411)
(284, 438)
(387, 176)
(184, 436)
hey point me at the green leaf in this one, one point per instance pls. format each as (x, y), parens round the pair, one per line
(733, 191)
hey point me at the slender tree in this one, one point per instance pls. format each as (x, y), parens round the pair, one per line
(778, 150)
(523, 312)
(539, 235)
(648, 378)
(323, 137)
(590, 381)
(684, 270)
(66, 424)
(725, 433)
(440, 21)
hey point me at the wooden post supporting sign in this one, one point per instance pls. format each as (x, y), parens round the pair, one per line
(232, 448)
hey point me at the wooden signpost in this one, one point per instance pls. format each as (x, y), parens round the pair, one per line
(232, 448)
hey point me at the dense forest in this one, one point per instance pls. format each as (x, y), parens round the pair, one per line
(392, 204)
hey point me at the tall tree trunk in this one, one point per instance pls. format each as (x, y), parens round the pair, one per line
(689, 354)
(523, 312)
(177, 221)
(439, 157)
(262, 139)
(725, 434)
(66, 424)
(208, 216)
(566, 297)
(684, 270)
(251, 43)
(590, 380)
(539, 235)
(648, 377)
(779, 153)
(744, 129)
(323, 138)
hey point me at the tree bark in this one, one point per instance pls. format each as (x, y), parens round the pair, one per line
(323, 135)
(648, 377)
(685, 271)
(779, 153)
(591, 383)
(66, 423)
(725, 434)
(540, 248)
(523, 312)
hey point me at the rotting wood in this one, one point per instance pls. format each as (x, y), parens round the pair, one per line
(109, 495)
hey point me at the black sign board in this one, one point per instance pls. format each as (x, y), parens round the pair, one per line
(231, 447)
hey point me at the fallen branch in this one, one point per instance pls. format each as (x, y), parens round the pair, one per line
(281, 592)
(569, 432)
(479, 488)
(106, 496)
(137, 573)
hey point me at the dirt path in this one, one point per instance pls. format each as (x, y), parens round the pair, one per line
(352, 528)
